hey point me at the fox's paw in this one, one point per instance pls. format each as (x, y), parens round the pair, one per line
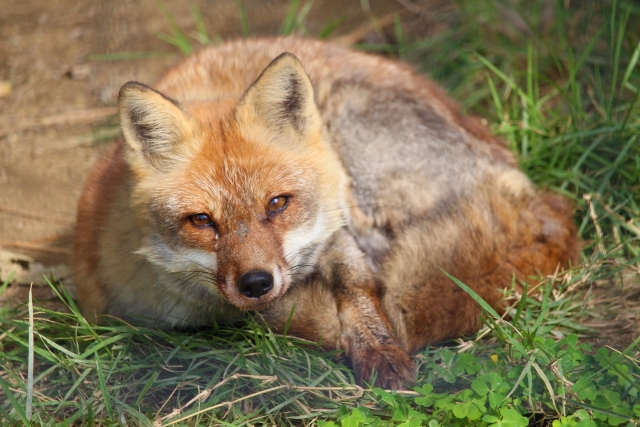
(393, 366)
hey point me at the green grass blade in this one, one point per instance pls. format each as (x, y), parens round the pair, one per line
(630, 67)
(600, 410)
(100, 345)
(73, 388)
(510, 82)
(177, 37)
(46, 355)
(302, 16)
(125, 56)
(288, 25)
(330, 27)
(521, 303)
(547, 384)
(6, 282)
(544, 308)
(487, 308)
(29, 404)
(147, 386)
(203, 36)
(103, 389)
(620, 28)
(58, 347)
(244, 20)
(17, 407)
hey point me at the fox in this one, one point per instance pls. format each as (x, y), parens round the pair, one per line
(315, 188)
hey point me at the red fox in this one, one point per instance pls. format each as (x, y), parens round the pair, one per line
(288, 175)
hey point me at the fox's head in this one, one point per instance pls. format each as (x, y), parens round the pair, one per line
(234, 195)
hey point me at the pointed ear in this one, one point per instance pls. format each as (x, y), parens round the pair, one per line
(281, 100)
(154, 126)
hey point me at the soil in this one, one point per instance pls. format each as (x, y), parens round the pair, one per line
(62, 63)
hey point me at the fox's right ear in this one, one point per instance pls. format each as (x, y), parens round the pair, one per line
(154, 126)
(281, 100)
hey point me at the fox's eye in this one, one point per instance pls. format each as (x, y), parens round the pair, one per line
(277, 204)
(201, 220)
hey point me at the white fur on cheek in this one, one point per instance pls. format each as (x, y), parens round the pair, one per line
(204, 259)
(159, 253)
(277, 281)
(297, 243)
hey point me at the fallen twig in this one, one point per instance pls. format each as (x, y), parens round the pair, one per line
(68, 118)
(362, 30)
(32, 215)
(39, 247)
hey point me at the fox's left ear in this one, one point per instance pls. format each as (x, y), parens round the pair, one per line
(154, 126)
(281, 100)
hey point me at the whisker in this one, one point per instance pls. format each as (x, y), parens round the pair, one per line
(361, 205)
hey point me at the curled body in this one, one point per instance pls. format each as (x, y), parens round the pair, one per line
(273, 175)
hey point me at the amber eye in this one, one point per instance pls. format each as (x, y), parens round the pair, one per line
(201, 220)
(277, 204)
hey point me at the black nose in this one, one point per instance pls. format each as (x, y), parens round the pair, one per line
(256, 283)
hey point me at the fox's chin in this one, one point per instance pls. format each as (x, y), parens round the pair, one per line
(254, 304)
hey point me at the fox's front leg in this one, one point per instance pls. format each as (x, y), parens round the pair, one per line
(367, 339)
(340, 307)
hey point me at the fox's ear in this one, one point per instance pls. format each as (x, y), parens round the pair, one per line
(281, 100)
(154, 126)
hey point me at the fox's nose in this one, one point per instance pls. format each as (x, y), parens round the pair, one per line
(255, 283)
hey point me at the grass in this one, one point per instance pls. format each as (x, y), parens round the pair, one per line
(564, 93)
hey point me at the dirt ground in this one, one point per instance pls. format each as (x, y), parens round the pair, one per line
(62, 63)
